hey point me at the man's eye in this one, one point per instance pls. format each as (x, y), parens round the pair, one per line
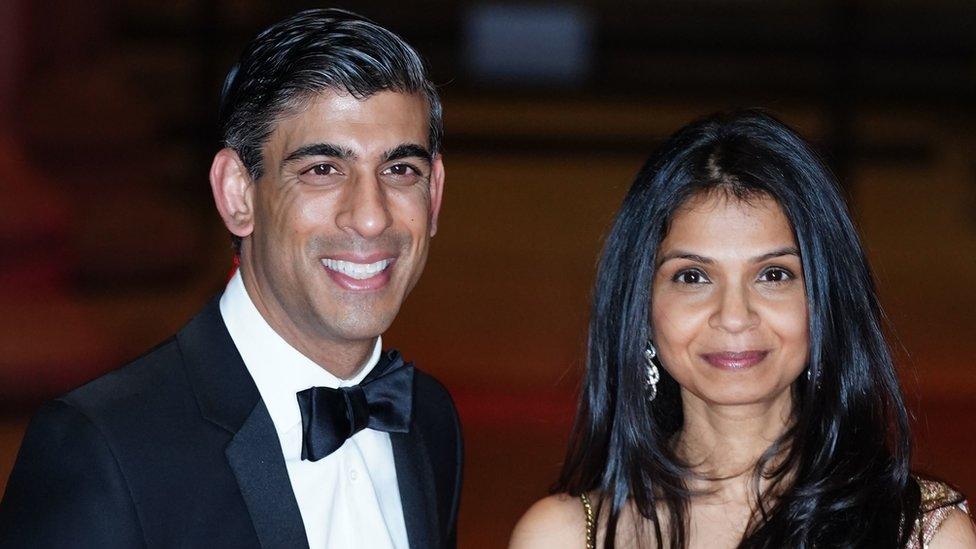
(776, 274)
(691, 276)
(321, 169)
(402, 170)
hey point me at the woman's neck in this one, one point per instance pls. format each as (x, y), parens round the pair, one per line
(723, 443)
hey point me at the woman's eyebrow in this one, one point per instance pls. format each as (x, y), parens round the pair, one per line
(789, 250)
(681, 254)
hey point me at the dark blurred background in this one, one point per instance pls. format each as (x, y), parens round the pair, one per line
(109, 240)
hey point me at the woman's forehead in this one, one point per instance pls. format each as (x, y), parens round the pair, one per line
(719, 221)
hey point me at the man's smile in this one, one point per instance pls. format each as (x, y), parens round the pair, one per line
(360, 274)
(359, 271)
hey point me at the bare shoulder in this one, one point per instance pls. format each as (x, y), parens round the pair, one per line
(557, 521)
(955, 532)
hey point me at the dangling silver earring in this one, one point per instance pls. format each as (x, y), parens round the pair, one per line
(815, 379)
(653, 375)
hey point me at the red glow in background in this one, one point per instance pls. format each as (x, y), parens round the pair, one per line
(109, 240)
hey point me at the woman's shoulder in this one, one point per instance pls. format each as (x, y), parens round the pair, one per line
(557, 521)
(956, 531)
(944, 521)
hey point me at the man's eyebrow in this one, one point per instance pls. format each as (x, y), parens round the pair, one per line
(318, 149)
(408, 150)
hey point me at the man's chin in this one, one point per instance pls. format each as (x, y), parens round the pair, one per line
(352, 328)
(352, 316)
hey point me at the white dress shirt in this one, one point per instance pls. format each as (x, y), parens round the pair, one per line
(348, 499)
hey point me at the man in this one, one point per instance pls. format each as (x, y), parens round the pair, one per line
(273, 419)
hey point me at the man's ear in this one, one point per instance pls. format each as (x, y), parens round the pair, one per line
(436, 191)
(233, 192)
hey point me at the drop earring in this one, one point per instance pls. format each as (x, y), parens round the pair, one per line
(653, 375)
(811, 378)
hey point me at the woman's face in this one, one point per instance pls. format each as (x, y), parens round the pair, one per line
(729, 312)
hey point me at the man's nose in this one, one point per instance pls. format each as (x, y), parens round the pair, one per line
(734, 312)
(365, 209)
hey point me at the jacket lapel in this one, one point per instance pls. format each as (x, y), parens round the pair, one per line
(228, 398)
(415, 478)
(255, 457)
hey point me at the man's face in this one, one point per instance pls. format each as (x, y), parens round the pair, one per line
(342, 217)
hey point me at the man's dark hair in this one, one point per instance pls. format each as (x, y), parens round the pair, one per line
(315, 50)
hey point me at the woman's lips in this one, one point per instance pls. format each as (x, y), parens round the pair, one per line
(735, 360)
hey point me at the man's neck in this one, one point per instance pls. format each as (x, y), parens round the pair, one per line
(343, 362)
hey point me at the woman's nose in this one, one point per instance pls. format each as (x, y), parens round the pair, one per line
(734, 312)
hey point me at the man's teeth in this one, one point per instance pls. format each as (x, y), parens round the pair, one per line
(359, 271)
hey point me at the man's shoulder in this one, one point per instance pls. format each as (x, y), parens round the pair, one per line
(433, 401)
(431, 390)
(434, 409)
(113, 419)
(136, 385)
(155, 379)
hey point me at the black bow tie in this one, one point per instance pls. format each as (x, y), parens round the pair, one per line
(382, 401)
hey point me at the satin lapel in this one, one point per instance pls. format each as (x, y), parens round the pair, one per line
(224, 389)
(228, 397)
(255, 456)
(415, 478)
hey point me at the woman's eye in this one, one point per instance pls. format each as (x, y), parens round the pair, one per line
(776, 274)
(692, 276)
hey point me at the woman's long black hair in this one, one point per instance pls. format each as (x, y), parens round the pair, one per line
(841, 471)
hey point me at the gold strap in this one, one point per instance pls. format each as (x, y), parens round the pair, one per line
(938, 502)
(590, 523)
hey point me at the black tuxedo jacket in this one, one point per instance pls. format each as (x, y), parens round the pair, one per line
(177, 449)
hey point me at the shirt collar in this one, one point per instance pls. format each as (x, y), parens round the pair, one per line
(278, 369)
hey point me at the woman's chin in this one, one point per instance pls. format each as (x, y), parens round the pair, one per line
(740, 395)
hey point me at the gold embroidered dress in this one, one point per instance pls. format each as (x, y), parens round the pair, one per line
(937, 502)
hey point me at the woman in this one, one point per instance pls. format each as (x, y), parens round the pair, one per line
(739, 391)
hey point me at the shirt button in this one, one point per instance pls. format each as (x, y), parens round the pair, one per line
(353, 475)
